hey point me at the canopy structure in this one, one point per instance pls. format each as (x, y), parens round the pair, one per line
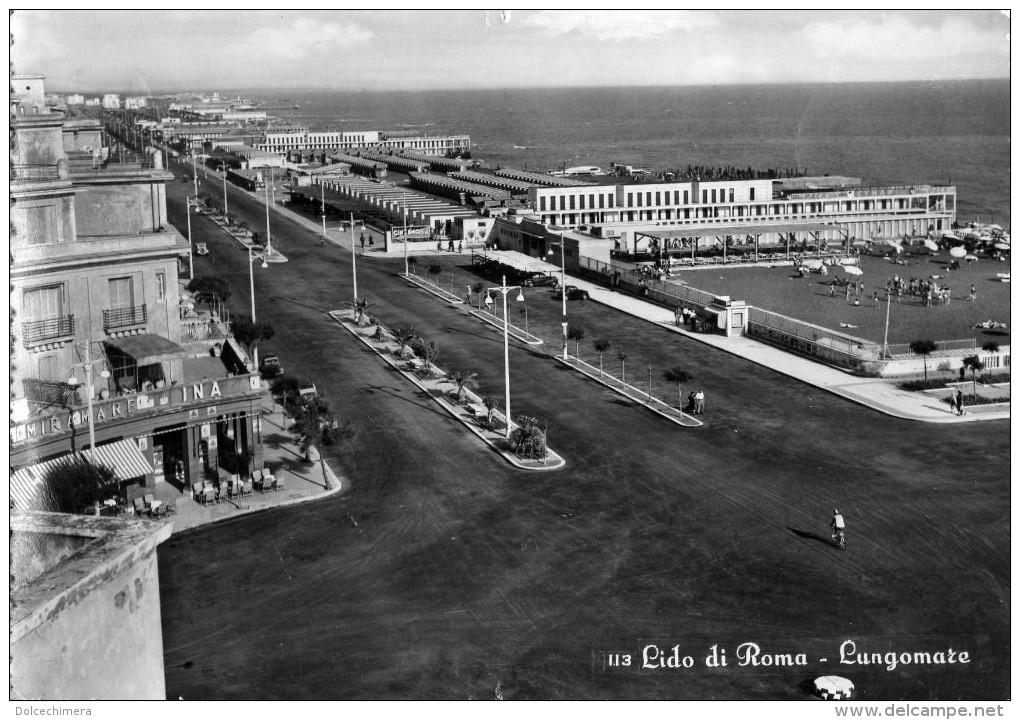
(147, 348)
(28, 483)
(786, 231)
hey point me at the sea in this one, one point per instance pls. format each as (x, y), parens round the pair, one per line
(911, 133)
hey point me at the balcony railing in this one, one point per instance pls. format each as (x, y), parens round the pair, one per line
(34, 172)
(35, 332)
(124, 317)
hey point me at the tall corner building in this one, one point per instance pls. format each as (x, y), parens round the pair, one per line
(104, 342)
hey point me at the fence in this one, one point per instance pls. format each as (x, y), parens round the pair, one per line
(811, 339)
(964, 344)
(626, 278)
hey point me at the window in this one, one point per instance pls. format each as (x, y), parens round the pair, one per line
(161, 286)
(648, 199)
(591, 202)
(581, 201)
(731, 194)
(122, 293)
(640, 200)
(687, 198)
(541, 204)
(44, 303)
(704, 197)
(657, 199)
(630, 199)
(713, 195)
(676, 197)
(571, 202)
(752, 194)
(48, 368)
(602, 202)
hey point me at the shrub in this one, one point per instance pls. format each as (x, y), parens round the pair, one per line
(209, 284)
(75, 484)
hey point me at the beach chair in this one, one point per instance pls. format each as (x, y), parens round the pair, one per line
(139, 506)
(278, 483)
(268, 479)
(234, 486)
(149, 497)
(257, 481)
(160, 511)
(245, 489)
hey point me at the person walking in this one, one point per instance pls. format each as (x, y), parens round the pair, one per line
(959, 401)
(973, 294)
(699, 402)
(363, 243)
(832, 289)
(848, 292)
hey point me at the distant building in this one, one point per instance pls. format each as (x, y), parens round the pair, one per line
(135, 103)
(95, 293)
(75, 99)
(111, 101)
(281, 141)
(92, 102)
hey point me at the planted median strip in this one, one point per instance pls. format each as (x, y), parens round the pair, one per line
(415, 359)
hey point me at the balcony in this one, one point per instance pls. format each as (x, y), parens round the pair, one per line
(124, 317)
(36, 173)
(37, 332)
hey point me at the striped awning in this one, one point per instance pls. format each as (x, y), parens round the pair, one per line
(27, 484)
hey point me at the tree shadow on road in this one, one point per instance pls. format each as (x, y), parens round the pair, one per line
(420, 394)
(810, 535)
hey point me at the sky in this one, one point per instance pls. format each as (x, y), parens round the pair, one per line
(154, 51)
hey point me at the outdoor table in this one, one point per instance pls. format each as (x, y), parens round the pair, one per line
(155, 504)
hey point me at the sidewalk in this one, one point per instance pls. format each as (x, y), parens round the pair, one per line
(876, 393)
(303, 481)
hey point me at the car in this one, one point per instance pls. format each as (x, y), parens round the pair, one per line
(538, 279)
(307, 389)
(201, 249)
(576, 293)
(271, 365)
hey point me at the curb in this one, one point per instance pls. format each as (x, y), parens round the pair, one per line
(619, 391)
(276, 257)
(556, 461)
(434, 290)
(514, 331)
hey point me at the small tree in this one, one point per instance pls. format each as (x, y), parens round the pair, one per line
(288, 388)
(434, 271)
(361, 305)
(75, 484)
(404, 336)
(318, 426)
(576, 334)
(412, 263)
(248, 333)
(601, 346)
(974, 363)
(427, 350)
(924, 348)
(679, 376)
(490, 408)
(464, 381)
(214, 285)
(527, 439)
(623, 365)
(477, 290)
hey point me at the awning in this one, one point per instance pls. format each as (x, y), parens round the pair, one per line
(28, 483)
(147, 348)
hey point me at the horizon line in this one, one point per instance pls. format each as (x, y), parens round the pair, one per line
(418, 90)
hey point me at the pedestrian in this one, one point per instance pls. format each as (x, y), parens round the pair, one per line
(832, 289)
(952, 404)
(848, 292)
(676, 316)
(699, 402)
(449, 246)
(959, 401)
(362, 242)
(973, 293)
(876, 299)
(439, 246)
(371, 241)
(692, 403)
(963, 373)
(860, 287)
(460, 246)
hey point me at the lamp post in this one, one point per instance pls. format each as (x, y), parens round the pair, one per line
(194, 171)
(354, 261)
(191, 247)
(504, 289)
(226, 209)
(252, 257)
(563, 290)
(269, 235)
(322, 190)
(403, 199)
(88, 364)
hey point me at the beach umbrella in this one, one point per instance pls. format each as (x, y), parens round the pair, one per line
(930, 244)
(950, 236)
(849, 261)
(813, 264)
(853, 270)
(833, 687)
(970, 257)
(859, 243)
(1002, 246)
(995, 227)
(957, 252)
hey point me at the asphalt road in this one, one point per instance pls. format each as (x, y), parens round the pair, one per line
(443, 570)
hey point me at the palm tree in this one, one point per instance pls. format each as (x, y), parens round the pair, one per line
(974, 363)
(477, 290)
(412, 262)
(360, 306)
(577, 335)
(464, 381)
(404, 337)
(623, 360)
(679, 376)
(600, 347)
(924, 348)
(990, 347)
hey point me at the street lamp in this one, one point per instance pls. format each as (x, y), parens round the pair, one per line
(269, 236)
(88, 365)
(252, 257)
(194, 171)
(563, 289)
(223, 168)
(403, 201)
(354, 260)
(322, 190)
(191, 247)
(504, 289)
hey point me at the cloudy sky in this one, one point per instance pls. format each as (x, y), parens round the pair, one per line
(153, 51)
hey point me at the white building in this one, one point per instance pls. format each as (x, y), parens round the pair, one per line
(282, 141)
(134, 103)
(75, 99)
(111, 101)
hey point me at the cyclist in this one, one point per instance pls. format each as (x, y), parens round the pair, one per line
(838, 526)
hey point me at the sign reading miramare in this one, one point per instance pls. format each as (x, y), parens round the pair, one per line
(129, 405)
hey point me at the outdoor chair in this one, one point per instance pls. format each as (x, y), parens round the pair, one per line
(268, 479)
(245, 489)
(170, 508)
(257, 481)
(160, 511)
(139, 506)
(149, 497)
(278, 482)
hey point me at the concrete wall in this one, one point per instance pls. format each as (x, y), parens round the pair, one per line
(90, 626)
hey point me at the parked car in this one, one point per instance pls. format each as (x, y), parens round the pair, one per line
(576, 293)
(307, 389)
(538, 278)
(270, 365)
